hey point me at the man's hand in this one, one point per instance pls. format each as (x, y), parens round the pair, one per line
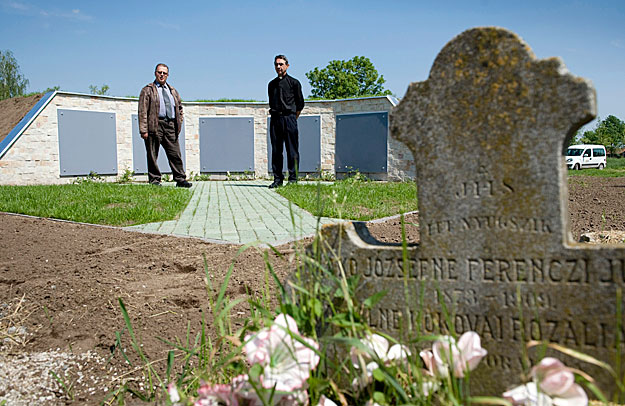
(144, 136)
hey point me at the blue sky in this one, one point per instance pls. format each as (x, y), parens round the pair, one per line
(225, 49)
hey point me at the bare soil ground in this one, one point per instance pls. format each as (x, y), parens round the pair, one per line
(60, 283)
(13, 110)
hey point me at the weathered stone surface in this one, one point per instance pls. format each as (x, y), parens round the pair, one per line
(487, 130)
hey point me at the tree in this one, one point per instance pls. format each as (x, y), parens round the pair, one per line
(343, 79)
(12, 83)
(609, 132)
(101, 91)
(576, 138)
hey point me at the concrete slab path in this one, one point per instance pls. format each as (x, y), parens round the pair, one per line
(239, 212)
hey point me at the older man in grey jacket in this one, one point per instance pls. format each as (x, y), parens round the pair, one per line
(160, 123)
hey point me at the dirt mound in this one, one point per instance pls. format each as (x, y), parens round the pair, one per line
(13, 110)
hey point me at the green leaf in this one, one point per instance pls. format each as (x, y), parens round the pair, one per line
(317, 308)
(379, 397)
(378, 375)
(255, 371)
(489, 400)
(170, 363)
(374, 299)
(596, 391)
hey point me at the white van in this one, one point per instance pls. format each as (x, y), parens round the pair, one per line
(585, 156)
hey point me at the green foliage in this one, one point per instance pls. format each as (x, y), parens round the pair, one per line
(93, 177)
(576, 138)
(12, 83)
(99, 91)
(66, 385)
(50, 89)
(615, 163)
(199, 177)
(92, 201)
(609, 132)
(126, 176)
(245, 175)
(344, 79)
(354, 198)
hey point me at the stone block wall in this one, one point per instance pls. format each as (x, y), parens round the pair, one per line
(34, 156)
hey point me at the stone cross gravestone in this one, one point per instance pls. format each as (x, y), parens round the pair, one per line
(488, 130)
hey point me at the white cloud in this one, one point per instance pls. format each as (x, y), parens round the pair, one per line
(16, 6)
(30, 10)
(167, 26)
(74, 14)
(617, 43)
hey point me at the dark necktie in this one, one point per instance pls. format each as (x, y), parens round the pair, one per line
(168, 109)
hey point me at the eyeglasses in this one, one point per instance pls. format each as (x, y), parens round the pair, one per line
(279, 64)
(162, 73)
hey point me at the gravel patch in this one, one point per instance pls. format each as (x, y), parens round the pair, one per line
(28, 379)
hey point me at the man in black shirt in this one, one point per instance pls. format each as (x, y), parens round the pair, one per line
(286, 102)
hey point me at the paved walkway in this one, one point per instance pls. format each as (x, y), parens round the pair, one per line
(239, 212)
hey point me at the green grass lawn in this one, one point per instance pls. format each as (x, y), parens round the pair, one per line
(354, 199)
(96, 203)
(123, 205)
(615, 168)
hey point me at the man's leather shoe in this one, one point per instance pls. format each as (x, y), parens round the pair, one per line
(183, 183)
(275, 184)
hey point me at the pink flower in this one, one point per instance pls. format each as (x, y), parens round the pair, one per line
(378, 346)
(287, 358)
(174, 396)
(218, 394)
(377, 349)
(323, 401)
(461, 356)
(557, 381)
(430, 363)
(553, 381)
(527, 395)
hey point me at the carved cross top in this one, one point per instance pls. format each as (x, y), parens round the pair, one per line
(487, 130)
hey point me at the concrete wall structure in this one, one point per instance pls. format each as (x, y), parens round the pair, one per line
(32, 156)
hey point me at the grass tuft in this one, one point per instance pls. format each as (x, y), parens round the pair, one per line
(353, 199)
(615, 169)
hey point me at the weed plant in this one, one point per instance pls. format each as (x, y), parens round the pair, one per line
(199, 177)
(94, 202)
(126, 177)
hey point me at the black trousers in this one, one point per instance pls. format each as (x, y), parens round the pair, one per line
(283, 130)
(165, 136)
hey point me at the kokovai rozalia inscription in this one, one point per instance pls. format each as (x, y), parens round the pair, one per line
(487, 130)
